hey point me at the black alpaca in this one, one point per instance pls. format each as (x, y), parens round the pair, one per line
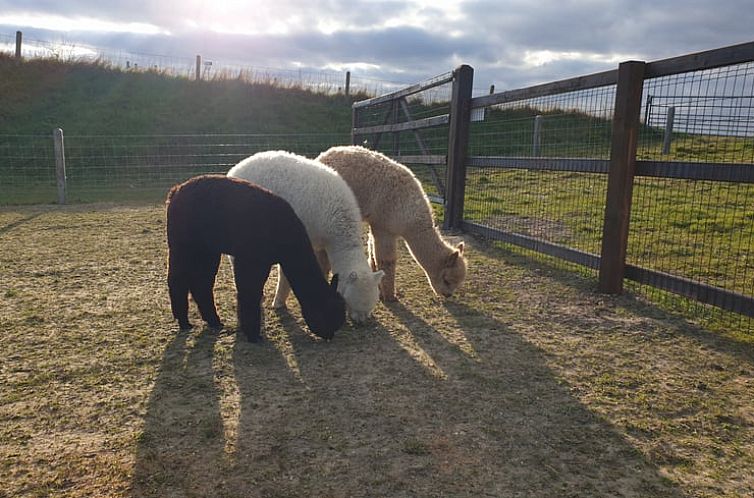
(211, 215)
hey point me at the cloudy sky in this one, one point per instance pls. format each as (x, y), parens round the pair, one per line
(510, 43)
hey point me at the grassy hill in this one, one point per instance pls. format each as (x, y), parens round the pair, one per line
(93, 98)
(132, 134)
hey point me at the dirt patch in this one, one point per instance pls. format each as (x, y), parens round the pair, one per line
(527, 383)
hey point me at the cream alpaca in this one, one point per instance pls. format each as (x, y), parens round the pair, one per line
(330, 213)
(394, 204)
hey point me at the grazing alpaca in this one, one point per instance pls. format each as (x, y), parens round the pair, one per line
(394, 204)
(332, 219)
(211, 214)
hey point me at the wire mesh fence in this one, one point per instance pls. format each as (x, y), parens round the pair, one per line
(702, 231)
(27, 169)
(132, 166)
(509, 189)
(540, 159)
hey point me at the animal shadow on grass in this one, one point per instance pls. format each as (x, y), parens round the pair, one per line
(497, 395)
(368, 415)
(180, 451)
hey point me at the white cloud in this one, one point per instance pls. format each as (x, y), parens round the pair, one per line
(536, 58)
(63, 23)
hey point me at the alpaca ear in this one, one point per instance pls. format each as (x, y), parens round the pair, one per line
(334, 282)
(352, 277)
(378, 275)
(460, 247)
(453, 257)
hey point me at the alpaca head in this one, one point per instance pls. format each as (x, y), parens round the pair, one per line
(451, 273)
(361, 291)
(326, 317)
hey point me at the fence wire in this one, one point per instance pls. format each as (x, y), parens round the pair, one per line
(27, 169)
(560, 207)
(314, 79)
(132, 166)
(700, 230)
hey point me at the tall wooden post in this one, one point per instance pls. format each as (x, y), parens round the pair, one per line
(394, 113)
(354, 124)
(668, 137)
(620, 181)
(348, 83)
(19, 36)
(536, 141)
(198, 67)
(458, 142)
(59, 149)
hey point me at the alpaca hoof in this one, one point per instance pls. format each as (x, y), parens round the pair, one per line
(183, 326)
(215, 326)
(389, 299)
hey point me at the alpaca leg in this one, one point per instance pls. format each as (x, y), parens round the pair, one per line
(178, 285)
(370, 247)
(385, 255)
(282, 291)
(250, 279)
(202, 283)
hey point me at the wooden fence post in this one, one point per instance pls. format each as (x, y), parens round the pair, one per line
(59, 148)
(487, 109)
(536, 140)
(19, 36)
(620, 180)
(669, 120)
(198, 67)
(458, 142)
(394, 113)
(648, 111)
(348, 83)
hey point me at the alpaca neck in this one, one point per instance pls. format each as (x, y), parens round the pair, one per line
(346, 258)
(303, 273)
(427, 247)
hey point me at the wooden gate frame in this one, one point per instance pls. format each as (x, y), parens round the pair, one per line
(450, 188)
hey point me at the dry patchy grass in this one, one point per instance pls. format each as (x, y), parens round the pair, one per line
(527, 383)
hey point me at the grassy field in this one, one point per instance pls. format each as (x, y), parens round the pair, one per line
(527, 383)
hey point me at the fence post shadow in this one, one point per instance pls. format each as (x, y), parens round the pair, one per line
(10, 226)
(628, 300)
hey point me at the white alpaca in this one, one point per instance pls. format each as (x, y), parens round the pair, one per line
(394, 204)
(330, 213)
